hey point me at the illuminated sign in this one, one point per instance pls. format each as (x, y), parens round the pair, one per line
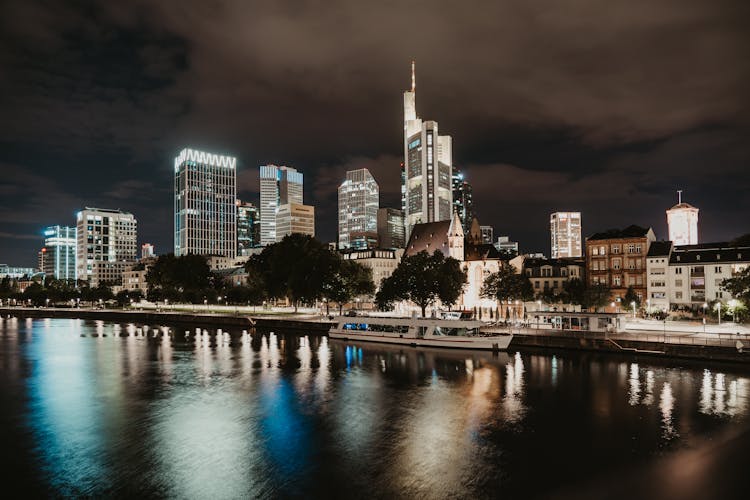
(204, 158)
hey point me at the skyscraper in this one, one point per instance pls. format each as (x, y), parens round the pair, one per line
(462, 199)
(565, 234)
(391, 228)
(682, 220)
(488, 234)
(428, 158)
(359, 200)
(106, 244)
(205, 190)
(295, 218)
(278, 186)
(60, 252)
(248, 227)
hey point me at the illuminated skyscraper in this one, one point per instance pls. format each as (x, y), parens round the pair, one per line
(205, 191)
(682, 220)
(295, 218)
(391, 228)
(462, 199)
(59, 252)
(248, 227)
(278, 186)
(428, 159)
(565, 234)
(106, 245)
(359, 200)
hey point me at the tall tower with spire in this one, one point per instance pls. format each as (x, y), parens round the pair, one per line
(682, 221)
(428, 160)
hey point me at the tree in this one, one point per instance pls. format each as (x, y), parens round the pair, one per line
(349, 280)
(739, 285)
(507, 284)
(631, 297)
(574, 291)
(423, 279)
(596, 296)
(175, 278)
(299, 268)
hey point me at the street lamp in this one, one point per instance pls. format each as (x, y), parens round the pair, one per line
(733, 305)
(47, 301)
(357, 300)
(705, 306)
(718, 309)
(205, 303)
(325, 301)
(632, 304)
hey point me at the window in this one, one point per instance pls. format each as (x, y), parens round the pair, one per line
(615, 263)
(678, 270)
(602, 250)
(615, 248)
(678, 295)
(677, 282)
(616, 281)
(631, 247)
(637, 248)
(595, 251)
(717, 269)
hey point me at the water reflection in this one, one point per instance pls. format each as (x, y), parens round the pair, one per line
(158, 411)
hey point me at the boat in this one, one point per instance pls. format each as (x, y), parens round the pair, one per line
(419, 332)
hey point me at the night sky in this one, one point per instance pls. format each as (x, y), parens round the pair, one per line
(607, 107)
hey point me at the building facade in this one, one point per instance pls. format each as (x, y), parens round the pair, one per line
(382, 261)
(359, 200)
(565, 235)
(617, 260)
(682, 221)
(106, 245)
(7, 271)
(391, 233)
(279, 185)
(147, 251)
(657, 271)
(59, 252)
(463, 203)
(248, 227)
(550, 275)
(505, 246)
(488, 234)
(689, 276)
(295, 218)
(428, 160)
(205, 190)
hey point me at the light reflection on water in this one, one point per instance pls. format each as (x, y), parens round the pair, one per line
(133, 410)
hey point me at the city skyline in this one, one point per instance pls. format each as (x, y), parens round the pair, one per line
(610, 144)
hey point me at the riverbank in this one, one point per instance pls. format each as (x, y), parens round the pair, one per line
(313, 325)
(688, 345)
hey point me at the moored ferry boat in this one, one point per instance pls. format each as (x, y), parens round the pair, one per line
(424, 332)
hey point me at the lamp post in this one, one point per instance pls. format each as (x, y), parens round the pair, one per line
(47, 301)
(357, 301)
(704, 316)
(632, 304)
(648, 307)
(325, 301)
(718, 309)
(733, 305)
(539, 309)
(205, 303)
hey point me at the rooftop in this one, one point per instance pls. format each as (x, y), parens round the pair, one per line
(629, 232)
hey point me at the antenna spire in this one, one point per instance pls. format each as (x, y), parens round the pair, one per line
(413, 78)
(679, 196)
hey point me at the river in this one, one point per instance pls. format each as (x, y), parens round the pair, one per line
(95, 409)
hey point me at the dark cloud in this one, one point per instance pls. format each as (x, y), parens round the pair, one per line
(606, 107)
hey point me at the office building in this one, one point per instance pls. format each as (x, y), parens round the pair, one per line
(617, 260)
(295, 218)
(359, 200)
(462, 199)
(59, 252)
(248, 227)
(682, 221)
(7, 271)
(565, 234)
(279, 185)
(147, 251)
(391, 228)
(488, 234)
(506, 247)
(428, 160)
(382, 261)
(205, 190)
(106, 245)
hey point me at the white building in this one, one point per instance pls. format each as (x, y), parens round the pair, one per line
(279, 185)
(565, 234)
(147, 251)
(682, 220)
(205, 190)
(294, 218)
(382, 262)
(59, 252)
(689, 276)
(106, 245)
(428, 160)
(359, 200)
